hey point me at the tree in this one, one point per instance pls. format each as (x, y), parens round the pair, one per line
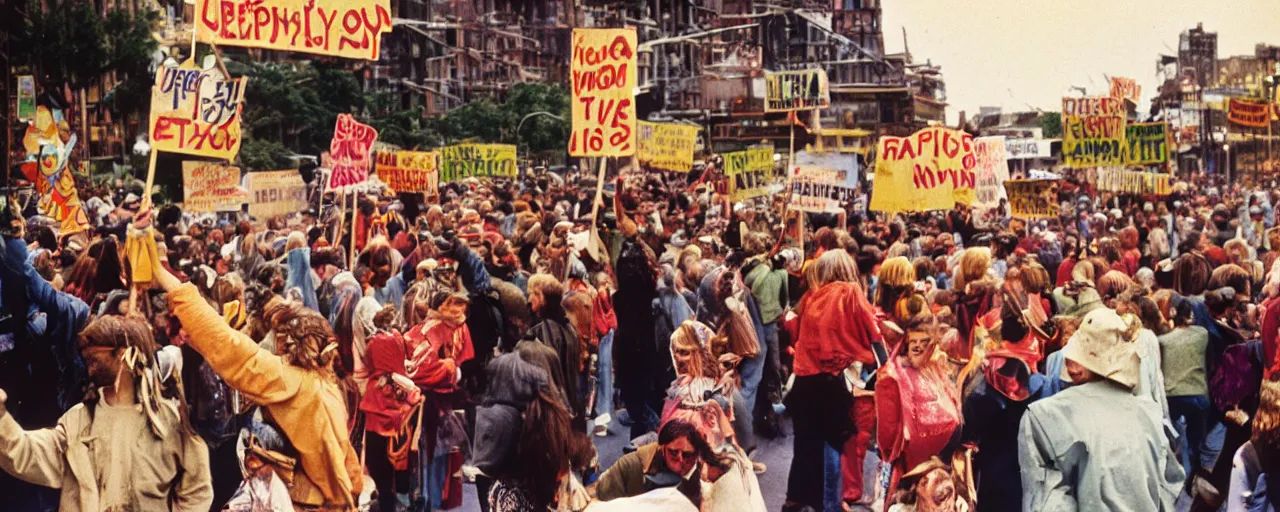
(71, 44)
(541, 133)
(1051, 123)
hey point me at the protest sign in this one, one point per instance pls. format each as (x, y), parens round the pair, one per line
(1146, 143)
(932, 169)
(211, 187)
(409, 171)
(26, 96)
(1126, 89)
(796, 90)
(461, 161)
(992, 170)
(276, 193)
(667, 147)
(844, 164)
(1134, 182)
(1246, 113)
(350, 150)
(819, 190)
(1033, 199)
(196, 111)
(1092, 131)
(1022, 149)
(341, 28)
(749, 172)
(603, 74)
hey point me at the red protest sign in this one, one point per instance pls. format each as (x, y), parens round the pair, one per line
(350, 150)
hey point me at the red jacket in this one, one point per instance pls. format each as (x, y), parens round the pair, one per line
(836, 326)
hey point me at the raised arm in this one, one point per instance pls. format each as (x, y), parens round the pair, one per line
(36, 456)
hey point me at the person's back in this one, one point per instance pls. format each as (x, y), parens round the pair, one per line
(1182, 353)
(1096, 446)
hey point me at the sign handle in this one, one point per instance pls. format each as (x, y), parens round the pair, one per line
(355, 212)
(151, 179)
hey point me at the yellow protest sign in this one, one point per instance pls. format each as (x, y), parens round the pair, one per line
(1134, 182)
(196, 112)
(461, 161)
(1092, 131)
(211, 187)
(276, 193)
(749, 172)
(667, 147)
(342, 28)
(1033, 199)
(1146, 143)
(603, 76)
(409, 171)
(805, 89)
(932, 169)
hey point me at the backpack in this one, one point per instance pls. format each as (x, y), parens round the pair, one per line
(1238, 376)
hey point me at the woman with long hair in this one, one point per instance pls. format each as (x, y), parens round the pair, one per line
(298, 388)
(917, 400)
(834, 328)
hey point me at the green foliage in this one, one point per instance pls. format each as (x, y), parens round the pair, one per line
(293, 107)
(72, 44)
(1051, 123)
(130, 46)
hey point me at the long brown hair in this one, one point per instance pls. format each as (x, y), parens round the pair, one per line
(120, 334)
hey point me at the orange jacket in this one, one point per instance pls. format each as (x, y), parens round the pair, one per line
(307, 405)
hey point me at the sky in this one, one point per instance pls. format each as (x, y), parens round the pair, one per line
(1025, 54)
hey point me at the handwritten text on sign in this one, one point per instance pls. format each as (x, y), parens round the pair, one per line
(1146, 143)
(1134, 182)
(667, 147)
(1092, 131)
(210, 187)
(1033, 199)
(819, 190)
(1125, 89)
(992, 169)
(409, 171)
(933, 169)
(796, 90)
(276, 193)
(342, 28)
(749, 172)
(350, 150)
(1244, 113)
(603, 69)
(196, 112)
(462, 161)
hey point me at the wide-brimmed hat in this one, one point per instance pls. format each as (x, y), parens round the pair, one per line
(1103, 346)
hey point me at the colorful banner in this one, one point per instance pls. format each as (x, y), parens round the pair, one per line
(992, 170)
(409, 171)
(1092, 131)
(1126, 89)
(933, 169)
(1134, 182)
(1246, 113)
(47, 168)
(806, 89)
(461, 161)
(276, 193)
(211, 187)
(749, 172)
(196, 112)
(845, 165)
(351, 150)
(819, 190)
(603, 72)
(1022, 149)
(341, 28)
(1146, 144)
(1033, 199)
(667, 147)
(26, 96)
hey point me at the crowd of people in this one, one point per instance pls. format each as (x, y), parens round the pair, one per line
(1116, 357)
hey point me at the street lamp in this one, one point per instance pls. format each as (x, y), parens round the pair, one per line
(526, 118)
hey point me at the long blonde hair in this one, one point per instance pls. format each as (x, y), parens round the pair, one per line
(833, 266)
(973, 266)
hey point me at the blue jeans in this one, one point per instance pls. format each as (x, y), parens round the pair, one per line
(752, 370)
(831, 478)
(1195, 411)
(604, 376)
